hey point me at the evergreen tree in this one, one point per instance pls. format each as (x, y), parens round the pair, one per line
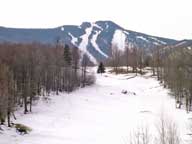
(67, 69)
(101, 68)
(67, 56)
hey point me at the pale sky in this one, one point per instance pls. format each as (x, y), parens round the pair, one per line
(166, 18)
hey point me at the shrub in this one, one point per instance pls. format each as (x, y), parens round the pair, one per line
(90, 79)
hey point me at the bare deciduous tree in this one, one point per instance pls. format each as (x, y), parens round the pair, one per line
(28, 71)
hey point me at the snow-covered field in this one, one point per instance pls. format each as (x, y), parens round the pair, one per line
(99, 114)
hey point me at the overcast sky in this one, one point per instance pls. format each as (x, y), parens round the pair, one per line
(167, 18)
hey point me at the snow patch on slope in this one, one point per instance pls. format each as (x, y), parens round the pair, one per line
(93, 41)
(107, 26)
(141, 37)
(62, 29)
(119, 38)
(97, 26)
(85, 41)
(74, 40)
(180, 44)
(126, 32)
(158, 41)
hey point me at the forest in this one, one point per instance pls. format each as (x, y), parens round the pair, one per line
(31, 71)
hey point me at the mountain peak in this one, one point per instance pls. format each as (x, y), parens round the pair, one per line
(95, 39)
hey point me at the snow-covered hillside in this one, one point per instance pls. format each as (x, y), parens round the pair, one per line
(99, 114)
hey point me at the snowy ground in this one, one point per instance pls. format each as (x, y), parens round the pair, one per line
(99, 114)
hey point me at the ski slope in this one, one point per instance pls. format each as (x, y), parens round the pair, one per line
(99, 114)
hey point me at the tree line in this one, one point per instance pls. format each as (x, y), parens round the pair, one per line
(28, 71)
(173, 67)
(133, 57)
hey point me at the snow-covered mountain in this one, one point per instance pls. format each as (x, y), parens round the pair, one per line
(94, 39)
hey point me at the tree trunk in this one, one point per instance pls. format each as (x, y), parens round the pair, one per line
(8, 118)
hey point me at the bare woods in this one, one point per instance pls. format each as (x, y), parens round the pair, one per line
(28, 71)
(173, 68)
